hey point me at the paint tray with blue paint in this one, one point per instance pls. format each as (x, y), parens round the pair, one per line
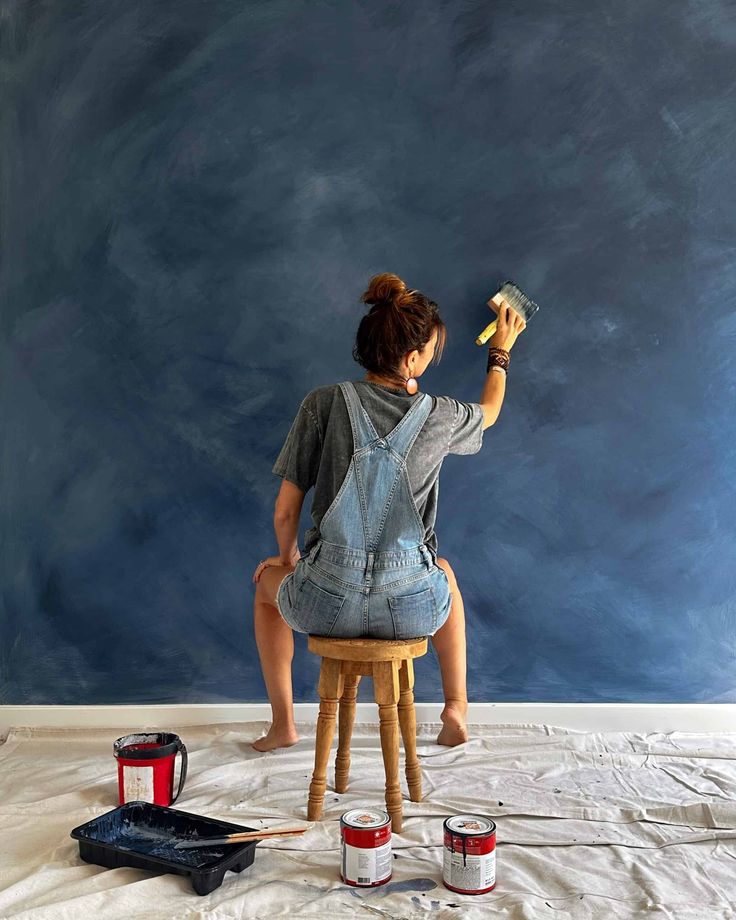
(142, 836)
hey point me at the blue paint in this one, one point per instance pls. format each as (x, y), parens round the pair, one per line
(154, 841)
(144, 836)
(411, 884)
(205, 230)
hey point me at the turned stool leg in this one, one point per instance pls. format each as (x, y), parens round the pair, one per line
(346, 719)
(386, 688)
(408, 722)
(330, 690)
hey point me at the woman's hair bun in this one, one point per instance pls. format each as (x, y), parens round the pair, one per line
(384, 288)
(399, 322)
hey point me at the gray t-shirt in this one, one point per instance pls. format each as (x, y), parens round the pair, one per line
(319, 445)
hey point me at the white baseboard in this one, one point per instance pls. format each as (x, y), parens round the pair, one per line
(590, 717)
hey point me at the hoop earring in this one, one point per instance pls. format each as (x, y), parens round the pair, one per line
(411, 385)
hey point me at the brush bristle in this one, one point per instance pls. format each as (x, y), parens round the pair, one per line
(523, 305)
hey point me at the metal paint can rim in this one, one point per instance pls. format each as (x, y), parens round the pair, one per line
(470, 825)
(376, 818)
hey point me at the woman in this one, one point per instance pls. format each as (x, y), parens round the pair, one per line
(373, 449)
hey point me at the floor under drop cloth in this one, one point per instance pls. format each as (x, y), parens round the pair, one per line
(589, 825)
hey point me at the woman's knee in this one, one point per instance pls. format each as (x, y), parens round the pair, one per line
(269, 583)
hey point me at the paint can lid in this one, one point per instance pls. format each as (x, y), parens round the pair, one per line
(365, 817)
(470, 825)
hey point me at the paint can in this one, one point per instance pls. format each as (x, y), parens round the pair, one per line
(366, 847)
(469, 865)
(146, 764)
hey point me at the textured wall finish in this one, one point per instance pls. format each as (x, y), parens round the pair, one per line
(193, 197)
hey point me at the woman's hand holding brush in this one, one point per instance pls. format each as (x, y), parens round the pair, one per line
(510, 325)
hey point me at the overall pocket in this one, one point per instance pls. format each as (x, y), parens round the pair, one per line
(318, 608)
(413, 615)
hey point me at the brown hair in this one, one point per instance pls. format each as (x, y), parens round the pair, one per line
(398, 322)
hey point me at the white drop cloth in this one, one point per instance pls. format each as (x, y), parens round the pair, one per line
(602, 825)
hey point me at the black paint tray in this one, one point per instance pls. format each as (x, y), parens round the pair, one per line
(142, 836)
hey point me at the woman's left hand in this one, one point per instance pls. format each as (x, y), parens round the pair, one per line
(276, 560)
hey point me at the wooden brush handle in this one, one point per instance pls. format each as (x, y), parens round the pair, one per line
(265, 834)
(487, 333)
(491, 327)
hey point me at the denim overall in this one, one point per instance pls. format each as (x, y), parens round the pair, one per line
(370, 573)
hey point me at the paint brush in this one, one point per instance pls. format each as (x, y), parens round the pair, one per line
(241, 837)
(516, 299)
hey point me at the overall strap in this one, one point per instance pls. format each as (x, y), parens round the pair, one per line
(401, 437)
(405, 433)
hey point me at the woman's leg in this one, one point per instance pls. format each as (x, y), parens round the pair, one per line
(275, 642)
(449, 643)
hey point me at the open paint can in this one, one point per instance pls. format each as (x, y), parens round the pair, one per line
(366, 847)
(146, 764)
(469, 865)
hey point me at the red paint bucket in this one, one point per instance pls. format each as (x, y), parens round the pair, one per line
(366, 847)
(146, 767)
(469, 865)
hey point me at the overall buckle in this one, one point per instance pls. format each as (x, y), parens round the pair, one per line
(427, 555)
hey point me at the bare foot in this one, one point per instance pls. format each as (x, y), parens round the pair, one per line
(454, 730)
(276, 739)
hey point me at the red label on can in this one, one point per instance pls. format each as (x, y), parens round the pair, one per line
(474, 846)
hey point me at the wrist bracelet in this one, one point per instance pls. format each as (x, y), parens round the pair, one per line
(498, 357)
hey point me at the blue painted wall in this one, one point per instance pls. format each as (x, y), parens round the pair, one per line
(193, 198)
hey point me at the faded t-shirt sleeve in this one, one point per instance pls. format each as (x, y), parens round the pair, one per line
(298, 460)
(467, 430)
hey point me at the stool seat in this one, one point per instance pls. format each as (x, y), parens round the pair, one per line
(368, 649)
(390, 663)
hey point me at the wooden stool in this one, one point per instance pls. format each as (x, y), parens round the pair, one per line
(390, 664)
